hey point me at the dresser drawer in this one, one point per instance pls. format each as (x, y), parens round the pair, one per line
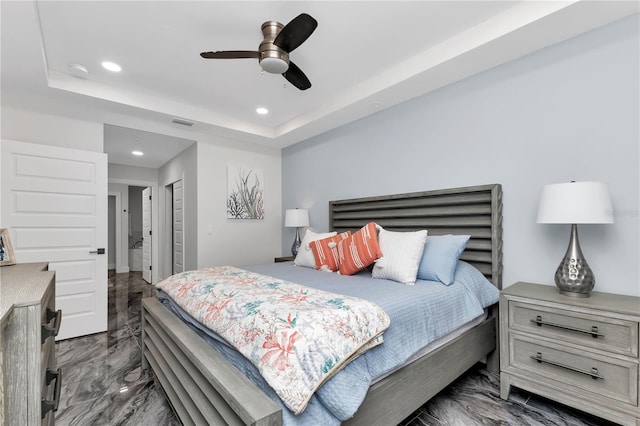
(51, 395)
(607, 334)
(601, 375)
(47, 302)
(46, 360)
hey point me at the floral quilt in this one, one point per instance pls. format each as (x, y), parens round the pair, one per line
(297, 336)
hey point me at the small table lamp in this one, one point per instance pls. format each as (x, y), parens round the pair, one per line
(574, 203)
(296, 218)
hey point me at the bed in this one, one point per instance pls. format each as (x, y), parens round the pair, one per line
(204, 387)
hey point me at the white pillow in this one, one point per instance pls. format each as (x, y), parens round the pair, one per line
(305, 255)
(401, 255)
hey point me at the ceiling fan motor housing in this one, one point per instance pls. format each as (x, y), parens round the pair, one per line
(273, 53)
(272, 58)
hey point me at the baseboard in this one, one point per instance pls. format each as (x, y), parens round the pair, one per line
(111, 266)
(122, 270)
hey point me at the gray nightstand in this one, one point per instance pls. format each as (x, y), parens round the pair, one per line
(284, 259)
(582, 352)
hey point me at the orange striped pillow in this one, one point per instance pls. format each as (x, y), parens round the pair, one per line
(359, 250)
(325, 251)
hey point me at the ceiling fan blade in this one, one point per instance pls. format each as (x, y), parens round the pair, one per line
(229, 54)
(296, 77)
(295, 32)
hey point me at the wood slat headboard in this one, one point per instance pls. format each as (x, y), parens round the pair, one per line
(472, 210)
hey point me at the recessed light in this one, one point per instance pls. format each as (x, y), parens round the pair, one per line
(111, 66)
(262, 111)
(78, 70)
(137, 153)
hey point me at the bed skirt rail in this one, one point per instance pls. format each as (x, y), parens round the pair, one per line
(197, 380)
(205, 389)
(412, 386)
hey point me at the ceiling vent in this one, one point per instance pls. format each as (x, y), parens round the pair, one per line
(181, 122)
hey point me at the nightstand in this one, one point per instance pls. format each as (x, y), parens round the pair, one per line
(582, 352)
(284, 259)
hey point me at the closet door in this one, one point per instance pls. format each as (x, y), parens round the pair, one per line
(146, 235)
(178, 228)
(54, 202)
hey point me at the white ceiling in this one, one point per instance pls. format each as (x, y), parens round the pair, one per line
(363, 57)
(157, 149)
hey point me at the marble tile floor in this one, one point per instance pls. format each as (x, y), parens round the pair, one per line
(103, 383)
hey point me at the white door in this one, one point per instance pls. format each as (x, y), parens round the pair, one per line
(54, 202)
(146, 234)
(178, 229)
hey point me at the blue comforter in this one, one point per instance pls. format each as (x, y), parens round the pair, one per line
(419, 315)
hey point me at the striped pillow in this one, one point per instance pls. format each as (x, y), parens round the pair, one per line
(359, 250)
(325, 251)
(402, 254)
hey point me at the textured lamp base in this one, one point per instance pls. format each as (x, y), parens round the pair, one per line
(574, 276)
(296, 243)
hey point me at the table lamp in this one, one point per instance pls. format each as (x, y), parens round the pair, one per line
(296, 218)
(575, 203)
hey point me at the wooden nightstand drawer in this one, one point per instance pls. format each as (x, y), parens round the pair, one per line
(582, 352)
(604, 333)
(602, 375)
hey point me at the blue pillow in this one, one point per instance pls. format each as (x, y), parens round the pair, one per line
(440, 257)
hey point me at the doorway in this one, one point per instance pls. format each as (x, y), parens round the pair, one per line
(135, 233)
(114, 224)
(129, 233)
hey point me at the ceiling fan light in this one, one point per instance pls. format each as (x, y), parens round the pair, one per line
(274, 65)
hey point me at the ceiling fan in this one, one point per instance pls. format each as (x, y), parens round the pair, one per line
(273, 52)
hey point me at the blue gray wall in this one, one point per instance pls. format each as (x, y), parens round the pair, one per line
(567, 112)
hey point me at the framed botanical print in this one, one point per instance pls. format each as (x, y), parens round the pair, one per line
(245, 189)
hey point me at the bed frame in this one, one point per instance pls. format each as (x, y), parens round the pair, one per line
(204, 388)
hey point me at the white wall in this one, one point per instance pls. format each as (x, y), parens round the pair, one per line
(122, 172)
(238, 242)
(567, 112)
(26, 126)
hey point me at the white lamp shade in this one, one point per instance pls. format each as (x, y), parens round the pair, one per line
(296, 218)
(575, 202)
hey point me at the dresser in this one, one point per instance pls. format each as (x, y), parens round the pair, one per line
(582, 352)
(30, 383)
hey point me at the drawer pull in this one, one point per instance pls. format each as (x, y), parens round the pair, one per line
(593, 332)
(51, 331)
(48, 405)
(593, 373)
(50, 315)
